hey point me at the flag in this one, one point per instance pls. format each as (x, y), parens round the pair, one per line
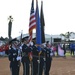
(42, 24)
(38, 27)
(32, 23)
(60, 51)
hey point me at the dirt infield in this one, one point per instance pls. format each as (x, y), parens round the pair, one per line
(60, 66)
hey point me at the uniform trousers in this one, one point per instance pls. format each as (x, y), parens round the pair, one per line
(48, 65)
(41, 66)
(14, 67)
(35, 66)
(25, 63)
(72, 51)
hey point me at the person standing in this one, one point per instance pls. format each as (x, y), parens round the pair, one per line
(14, 58)
(42, 60)
(72, 49)
(64, 49)
(35, 60)
(48, 58)
(35, 57)
(25, 58)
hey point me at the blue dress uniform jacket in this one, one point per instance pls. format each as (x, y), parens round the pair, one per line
(25, 52)
(35, 52)
(14, 64)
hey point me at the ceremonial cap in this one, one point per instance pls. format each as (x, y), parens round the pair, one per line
(25, 38)
(13, 40)
(47, 41)
(34, 38)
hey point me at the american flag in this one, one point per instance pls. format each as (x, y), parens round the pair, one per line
(32, 23)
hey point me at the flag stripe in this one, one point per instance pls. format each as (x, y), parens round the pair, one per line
(32, 16)
(31, 29)
(32, 21)
(32, 24)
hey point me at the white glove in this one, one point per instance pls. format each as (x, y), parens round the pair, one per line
(18, 58)
(38, 61)
(27, 44)
(31, 43)
(44, 59)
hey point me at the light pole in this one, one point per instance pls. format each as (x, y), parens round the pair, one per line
(10, 27)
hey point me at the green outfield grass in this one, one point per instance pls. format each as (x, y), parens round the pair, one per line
(67, 54)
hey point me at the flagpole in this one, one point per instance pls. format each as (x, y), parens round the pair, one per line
(36, 36)
(38, 33)
(43, 34)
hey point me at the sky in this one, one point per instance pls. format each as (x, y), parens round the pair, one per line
(59, 16)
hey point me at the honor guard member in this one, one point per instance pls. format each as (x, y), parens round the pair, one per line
(48, 58)
(35, 58)
(25, 57)
(13, 57)
(42, 52)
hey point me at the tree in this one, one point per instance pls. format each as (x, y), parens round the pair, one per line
(1, 38)
(67, 35)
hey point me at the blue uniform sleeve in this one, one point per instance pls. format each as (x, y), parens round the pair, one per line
(10, 55)
(24, 48)
(13, 55)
